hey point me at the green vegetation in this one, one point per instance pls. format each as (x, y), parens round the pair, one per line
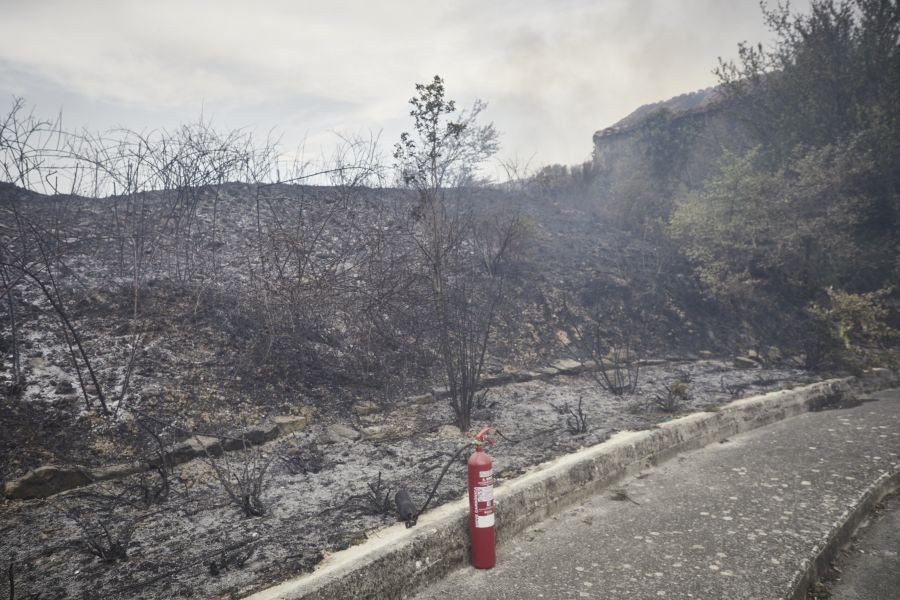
(854, 331)
(781, 186)
(787, 231)
(810, 216)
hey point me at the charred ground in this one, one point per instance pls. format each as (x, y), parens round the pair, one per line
(216, 332)
(213, 354)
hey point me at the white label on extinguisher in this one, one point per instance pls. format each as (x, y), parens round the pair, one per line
(484, 499)
(484, 495)
(485, 521)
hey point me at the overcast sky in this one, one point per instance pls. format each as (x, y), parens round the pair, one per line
(552, 72)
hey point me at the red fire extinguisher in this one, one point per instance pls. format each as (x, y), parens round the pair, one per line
(481, 504)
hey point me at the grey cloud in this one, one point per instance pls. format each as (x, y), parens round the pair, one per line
(552, 72)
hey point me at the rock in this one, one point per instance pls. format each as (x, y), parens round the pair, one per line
(237, 442)
(151, 391)
(206, 444)
(198, 471)
(450, 432)
(650, 362)
(705, 354)
(46, 481)
(440, 392)
(497, 379)
(118, 471)
(526, 375)
(290, 423)
(365, 407)
(567, 366)
(65, 388)
(773, 354)
(421, 399)
(753, 354)
(256, 436)
(547, 372)
(743, 362)
(381, 433)
(338, 433)
(195, 447)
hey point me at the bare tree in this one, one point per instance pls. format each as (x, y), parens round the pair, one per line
(617, 365)
(244, 480)
(27, 144)
(25, 141)
(440, 161)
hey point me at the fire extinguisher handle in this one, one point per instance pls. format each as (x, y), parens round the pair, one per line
(481, 436)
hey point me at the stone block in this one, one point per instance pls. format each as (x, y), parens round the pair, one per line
(744, 362)
(567, 366)
(547, 372)
(365, 407)
(290, 423)
(383, 433)
(46, 481)
(421, 399)
(118, 471)
(338, 433)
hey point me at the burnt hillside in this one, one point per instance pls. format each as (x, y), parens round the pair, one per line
(266, 297)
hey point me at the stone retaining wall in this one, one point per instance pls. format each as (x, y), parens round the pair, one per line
(48, 480)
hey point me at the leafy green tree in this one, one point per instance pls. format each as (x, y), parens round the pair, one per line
(443, 152)
(811, 216)
(831, 78)
(831, 73)
(856, 330)
(751, 231)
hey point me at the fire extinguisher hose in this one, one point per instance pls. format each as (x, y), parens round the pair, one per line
(511, 441)
(438, 482)
(444, 472)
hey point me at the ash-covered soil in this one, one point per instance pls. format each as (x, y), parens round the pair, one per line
(207, 310)
(198, 543)
(220, 343)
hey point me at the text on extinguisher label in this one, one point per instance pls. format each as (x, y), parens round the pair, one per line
(484, 500)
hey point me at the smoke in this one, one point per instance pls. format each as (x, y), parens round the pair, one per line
(552, 72)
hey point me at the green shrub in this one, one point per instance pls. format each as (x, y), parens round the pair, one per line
(854, 332)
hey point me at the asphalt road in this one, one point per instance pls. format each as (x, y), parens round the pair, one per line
(732, 520)
(870, 569)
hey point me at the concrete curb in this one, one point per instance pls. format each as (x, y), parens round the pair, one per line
(839, 536)
(396, 561)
